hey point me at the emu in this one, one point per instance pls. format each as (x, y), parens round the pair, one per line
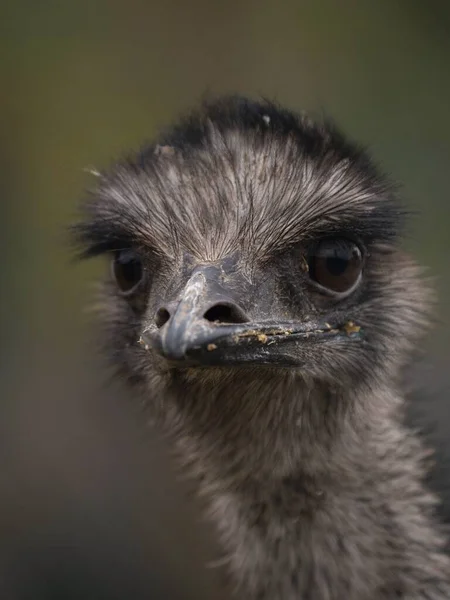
(260, 303)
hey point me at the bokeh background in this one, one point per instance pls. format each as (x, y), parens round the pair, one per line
(90, 504)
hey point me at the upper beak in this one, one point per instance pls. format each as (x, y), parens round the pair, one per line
(189, 326)
(192, 334)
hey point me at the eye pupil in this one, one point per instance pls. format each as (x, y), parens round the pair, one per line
(336, 264)
(127, 269)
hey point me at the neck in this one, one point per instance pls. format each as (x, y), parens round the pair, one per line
(316, 494)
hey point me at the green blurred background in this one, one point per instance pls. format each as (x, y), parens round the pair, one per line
(90, 503)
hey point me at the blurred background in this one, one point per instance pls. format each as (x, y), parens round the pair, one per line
(90, 504)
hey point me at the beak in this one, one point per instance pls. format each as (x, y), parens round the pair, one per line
(188, 328)
(191, 336)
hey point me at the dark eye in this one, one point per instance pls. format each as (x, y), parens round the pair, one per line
(127, 269)
(336, 264)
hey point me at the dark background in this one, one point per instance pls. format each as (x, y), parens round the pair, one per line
(90, 505)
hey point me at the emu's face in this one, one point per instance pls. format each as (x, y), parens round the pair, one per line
(222, 313)
(252, 238)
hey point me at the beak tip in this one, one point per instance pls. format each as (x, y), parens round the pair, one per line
(173, 352)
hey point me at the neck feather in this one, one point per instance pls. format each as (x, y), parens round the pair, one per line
(311, 488)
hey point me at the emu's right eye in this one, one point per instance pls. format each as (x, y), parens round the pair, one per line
(127, 269)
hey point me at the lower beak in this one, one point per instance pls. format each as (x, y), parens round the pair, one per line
(213, 344)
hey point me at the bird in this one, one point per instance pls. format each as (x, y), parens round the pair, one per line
(260, 304)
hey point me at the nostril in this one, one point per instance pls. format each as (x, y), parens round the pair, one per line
(225, 313)
(161, 317)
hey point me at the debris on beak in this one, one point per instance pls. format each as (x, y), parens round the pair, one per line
(350, 327)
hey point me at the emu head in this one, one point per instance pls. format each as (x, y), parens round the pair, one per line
(251, 245)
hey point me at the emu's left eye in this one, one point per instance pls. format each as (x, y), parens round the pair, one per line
(336, 264)
(127, 269)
